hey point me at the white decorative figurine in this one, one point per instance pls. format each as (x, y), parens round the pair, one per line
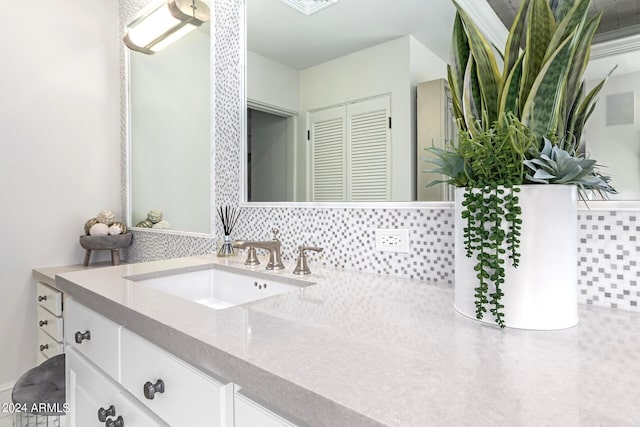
(154, 215)
(106, 217)
(162, 225)
(99, 229)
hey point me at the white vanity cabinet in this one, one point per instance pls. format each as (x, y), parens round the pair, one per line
(96, 400)
(109, 365)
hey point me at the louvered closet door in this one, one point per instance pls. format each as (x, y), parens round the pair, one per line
(328, 155)
(369, 150)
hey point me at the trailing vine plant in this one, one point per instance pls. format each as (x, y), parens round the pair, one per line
(494, 160)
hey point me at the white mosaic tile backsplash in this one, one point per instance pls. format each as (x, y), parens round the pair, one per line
(608, 246)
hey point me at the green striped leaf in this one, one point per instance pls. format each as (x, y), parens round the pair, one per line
(578, 66)
(540, 27)
(470, 103)
(511, 89)
(560, 8)
(586, 108)
(570, 143)
(459, 54)
(456, 99)
(488, 74)
(541, 110)
(573, 19)
(514, 41)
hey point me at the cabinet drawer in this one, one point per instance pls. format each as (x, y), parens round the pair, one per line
(101, 337)
(49, 298)
(189, 396)
(248, 413)
(48, 346)
(51, 324)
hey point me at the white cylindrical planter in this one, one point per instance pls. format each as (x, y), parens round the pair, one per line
(542, 292)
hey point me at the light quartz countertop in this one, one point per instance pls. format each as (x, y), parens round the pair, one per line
(362, 349)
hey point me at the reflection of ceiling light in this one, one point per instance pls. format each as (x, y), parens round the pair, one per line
(309, 6)
(160, 25)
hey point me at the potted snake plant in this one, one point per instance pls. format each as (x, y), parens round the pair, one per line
(519, 132)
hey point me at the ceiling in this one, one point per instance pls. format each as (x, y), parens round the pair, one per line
(621, 18)
(277, 31)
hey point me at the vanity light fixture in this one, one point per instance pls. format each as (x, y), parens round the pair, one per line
(161, 24)
(308, 7)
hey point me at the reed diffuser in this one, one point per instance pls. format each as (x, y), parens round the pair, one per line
(229, 217)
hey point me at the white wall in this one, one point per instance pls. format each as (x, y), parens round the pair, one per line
(424, 66)
(617, 147)
(60, 162)
(393, 67)
(170, 96)
(272, 83)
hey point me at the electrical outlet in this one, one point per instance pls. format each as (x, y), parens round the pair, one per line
(392, 240)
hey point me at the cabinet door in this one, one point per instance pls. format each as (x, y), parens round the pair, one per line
(248, 413)
(328, 155)
(88, 390)
(369, 150)
(99, 340)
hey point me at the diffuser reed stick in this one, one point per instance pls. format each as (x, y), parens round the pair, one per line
(229, 218)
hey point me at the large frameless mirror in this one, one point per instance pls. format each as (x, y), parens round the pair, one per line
(341, 103)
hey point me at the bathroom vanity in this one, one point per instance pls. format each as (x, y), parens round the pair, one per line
(336, 348)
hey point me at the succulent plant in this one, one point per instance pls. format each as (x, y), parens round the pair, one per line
(553, 165)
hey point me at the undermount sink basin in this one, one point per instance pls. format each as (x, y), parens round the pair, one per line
(218, 287)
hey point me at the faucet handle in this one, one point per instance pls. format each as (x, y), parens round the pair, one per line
(301, 265)
(275, 232)
(302, 249)
(252, 257)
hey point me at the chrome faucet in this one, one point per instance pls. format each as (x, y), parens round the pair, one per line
(273, 246)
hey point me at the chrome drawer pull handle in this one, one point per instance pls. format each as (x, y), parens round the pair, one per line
(44, 347)
(43, 322)
(118, 422)
(81, 337)
(104, 413)
(150, 389)
(42, 298)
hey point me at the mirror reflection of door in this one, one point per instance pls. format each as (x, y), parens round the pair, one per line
(351, 151)
(269, 153)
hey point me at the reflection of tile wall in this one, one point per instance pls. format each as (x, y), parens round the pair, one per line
(608, 248)
(608, 257)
